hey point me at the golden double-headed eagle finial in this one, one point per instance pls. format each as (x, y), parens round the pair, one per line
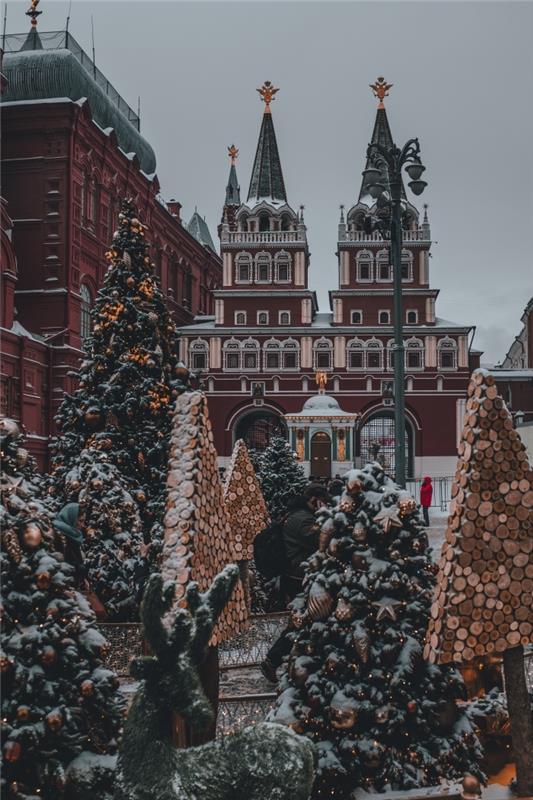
(32, 12)
(321, 381)
(267, 92)
(380, 88)
(233, 153)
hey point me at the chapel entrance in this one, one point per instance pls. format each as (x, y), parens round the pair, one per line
(321, 455)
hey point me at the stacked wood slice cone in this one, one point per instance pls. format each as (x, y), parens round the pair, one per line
(197, 527)
(484, 593)
(244, 503)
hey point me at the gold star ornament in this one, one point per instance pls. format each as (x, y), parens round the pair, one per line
(388, 518)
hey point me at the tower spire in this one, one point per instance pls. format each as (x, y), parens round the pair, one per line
(233, 190)
(380, 135)
(267, 178)
(33, 41)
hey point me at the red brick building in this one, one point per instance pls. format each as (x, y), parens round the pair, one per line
(260, 351)
(71, 149)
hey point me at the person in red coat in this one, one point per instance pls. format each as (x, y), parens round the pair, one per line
(426, 493)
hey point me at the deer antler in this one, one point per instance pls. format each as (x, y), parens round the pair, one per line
(206, 608)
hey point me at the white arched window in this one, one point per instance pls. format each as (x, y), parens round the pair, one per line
(364, 266)
(407, 266)
(355, 351)
(250, 354)
(383, 270)
(284, 318)
(243, 268)
(373, 354)
(447, 353)
(414, 353)
(240, 318)
(85, 312)
(263, 268)
(198, 354)
(291, 354)
(232, 355)
(272, 354)
(283, 267)
(322, 353)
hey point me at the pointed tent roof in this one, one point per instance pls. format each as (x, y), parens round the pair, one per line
(380, 135)
(267, 178)
(233, 190)
(197, 227)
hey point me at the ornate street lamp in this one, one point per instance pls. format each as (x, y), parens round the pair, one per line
(384, 177)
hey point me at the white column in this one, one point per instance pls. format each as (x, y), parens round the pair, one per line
(345, 267)
(183, 349)
(430, 309)
(219, 312)
(215, 353)
(306, 352)
(306, 311)
(431, 351)
(227, 269)
(337, 309)
(423, 267)
(462, 355)
(299, 269)
(339, 352)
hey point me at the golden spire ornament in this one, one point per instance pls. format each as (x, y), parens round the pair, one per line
(267, 92)
(380, 89)
(233, 153)
(33, 13)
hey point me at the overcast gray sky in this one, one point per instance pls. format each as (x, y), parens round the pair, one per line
(462, 75)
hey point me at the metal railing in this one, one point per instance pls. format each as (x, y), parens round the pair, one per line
(262, 237)
(250, 648)
(407, 236)
(442, 490)
(63, 40)
(237, 711)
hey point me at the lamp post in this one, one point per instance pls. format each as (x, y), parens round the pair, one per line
(384, 176)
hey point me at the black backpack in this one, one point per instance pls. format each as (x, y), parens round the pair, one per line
(270, 555)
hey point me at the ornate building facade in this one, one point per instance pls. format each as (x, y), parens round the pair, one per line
(260, 351)
(71, 149)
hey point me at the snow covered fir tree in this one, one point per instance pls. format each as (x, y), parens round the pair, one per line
(280, 475)
(355, 681)
(112, 450)
(58, 699)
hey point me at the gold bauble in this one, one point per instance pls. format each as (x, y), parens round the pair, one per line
(42, 579)
(320, 602)
(87, 688)
(32, 536)
(344, 611)
(22, 457)
(23, 713)
(406, 507)
(354, 487)
(12, 751)
(359, 533)
(54, 720)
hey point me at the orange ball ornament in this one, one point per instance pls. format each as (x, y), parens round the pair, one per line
(12, 752)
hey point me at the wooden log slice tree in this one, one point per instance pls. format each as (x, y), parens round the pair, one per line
(246, 508)
(483, 598)
(197, 541)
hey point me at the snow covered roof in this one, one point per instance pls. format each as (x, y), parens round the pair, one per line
(511, 374)
(198, 228)
(46, 74)
(322, 405)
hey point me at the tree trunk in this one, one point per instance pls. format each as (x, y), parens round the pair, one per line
(520, 717)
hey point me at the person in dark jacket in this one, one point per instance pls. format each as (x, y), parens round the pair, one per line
(67, 522)
(300, 535)
(426, 495)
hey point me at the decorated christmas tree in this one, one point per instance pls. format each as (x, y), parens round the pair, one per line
(356, 682)
(112, 451)
(58, 700)
(280, 476)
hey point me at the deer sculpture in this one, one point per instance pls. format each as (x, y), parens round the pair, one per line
(267, 761)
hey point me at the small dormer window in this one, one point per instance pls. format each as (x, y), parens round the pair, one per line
(357, 317)
(384, 317)
(412, 317)
(262, 317)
